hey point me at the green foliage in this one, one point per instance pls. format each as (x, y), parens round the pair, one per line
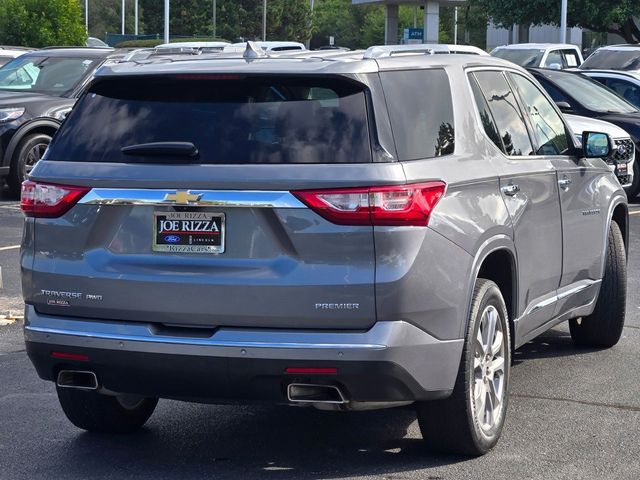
(153, 42)
(610, 16)
(40, 23)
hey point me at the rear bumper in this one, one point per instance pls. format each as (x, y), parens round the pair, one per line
(392, 361)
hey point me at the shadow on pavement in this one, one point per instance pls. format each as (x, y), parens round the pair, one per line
(283, 442)
(551, 344)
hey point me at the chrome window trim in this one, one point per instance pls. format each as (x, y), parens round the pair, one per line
(207, 198)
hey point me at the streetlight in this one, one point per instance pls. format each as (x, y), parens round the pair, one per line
(563, 22)
(264, 20)
(214, 18)
(86, 15)
(166, 21)
(135, 16)
(123, 7)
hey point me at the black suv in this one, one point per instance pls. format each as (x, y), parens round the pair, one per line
(37, 90)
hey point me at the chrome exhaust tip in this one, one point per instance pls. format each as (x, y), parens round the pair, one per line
(310, 393)
(80, 379)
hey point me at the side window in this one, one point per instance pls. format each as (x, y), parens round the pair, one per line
(548, 127)
(554, 58)
(421, 112)
(506, 113)
(627, 90)
(488, 123)
(571, 58)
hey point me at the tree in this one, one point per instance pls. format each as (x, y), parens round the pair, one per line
(40, 23)
(608, 16)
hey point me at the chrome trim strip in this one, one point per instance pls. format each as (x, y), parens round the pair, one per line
(579, 287)
(572, 291)
(208, 198)
(203, 341)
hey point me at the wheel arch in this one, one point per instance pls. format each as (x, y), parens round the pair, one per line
(497, 261)
(48, 126)
(620, 215)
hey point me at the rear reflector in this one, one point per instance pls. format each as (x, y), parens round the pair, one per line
(79, 357)
(393, 205)
(325, 371)
(48, 200)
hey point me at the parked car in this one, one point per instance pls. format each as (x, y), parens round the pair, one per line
(37, 90)
(268, 46)
(625, 84)
(9, 53)
(204, 47)
(621, 160)
(315, 233)
(579, 95)
(614, 57)
(96, 43)
(549, 55)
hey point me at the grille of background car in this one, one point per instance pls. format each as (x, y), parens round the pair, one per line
(623, 153)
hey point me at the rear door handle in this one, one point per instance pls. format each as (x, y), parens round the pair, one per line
(510, 189)
(564, 182)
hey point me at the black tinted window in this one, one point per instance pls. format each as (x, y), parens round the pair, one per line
(506, 113)
(421, 112)
(486, 118)
(229, 120)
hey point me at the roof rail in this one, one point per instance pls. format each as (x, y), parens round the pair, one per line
(380, 51)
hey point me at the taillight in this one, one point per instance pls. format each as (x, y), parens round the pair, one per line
(48, 200)
(393, 205)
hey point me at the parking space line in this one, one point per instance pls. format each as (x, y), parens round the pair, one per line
(10, 247)
(617, 406)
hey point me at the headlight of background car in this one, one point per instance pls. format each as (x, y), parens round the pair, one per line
(9, 114)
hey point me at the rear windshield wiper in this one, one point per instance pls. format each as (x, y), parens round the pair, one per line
(162, 149)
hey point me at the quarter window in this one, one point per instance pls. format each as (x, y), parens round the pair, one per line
(421, 112)
(506, 113)
(486, 118)
(548, 127)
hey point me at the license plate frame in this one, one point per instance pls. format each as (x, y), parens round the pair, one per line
(198, 235)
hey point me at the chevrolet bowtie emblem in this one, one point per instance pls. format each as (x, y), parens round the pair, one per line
(183, 196)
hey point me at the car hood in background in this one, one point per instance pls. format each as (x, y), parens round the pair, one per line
(584, 124)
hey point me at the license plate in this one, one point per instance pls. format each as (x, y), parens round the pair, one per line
(622, 168)
(188, 232)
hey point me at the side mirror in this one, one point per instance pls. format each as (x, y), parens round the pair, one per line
(564, 107)
(596, 145)
(555, 66)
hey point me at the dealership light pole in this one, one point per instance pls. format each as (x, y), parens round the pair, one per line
(563, 22)
(86, 15)
(135, 16)
(123, 7)
(264, 20)
(214, 18)
(166, 21)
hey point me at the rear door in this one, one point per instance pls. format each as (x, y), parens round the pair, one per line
(189, 219)
(581, 186)
(529, 188)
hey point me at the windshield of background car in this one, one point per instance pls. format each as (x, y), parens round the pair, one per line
(613, 60)
(592, 95)
(230, 119)
(41, 74)
(522, 57)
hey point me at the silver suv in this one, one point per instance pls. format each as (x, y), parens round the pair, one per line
(342, 230)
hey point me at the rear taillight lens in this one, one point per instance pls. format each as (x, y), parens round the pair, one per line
(393, 205)
(47, 200)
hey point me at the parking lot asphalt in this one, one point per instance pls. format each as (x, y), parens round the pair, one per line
(574, 414)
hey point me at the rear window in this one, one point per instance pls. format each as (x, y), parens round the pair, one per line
(229, 119)
(421, 112)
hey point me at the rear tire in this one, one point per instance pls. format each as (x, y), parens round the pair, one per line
(27, 154)
(470, 421)
(603, 328)
(99, 413)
